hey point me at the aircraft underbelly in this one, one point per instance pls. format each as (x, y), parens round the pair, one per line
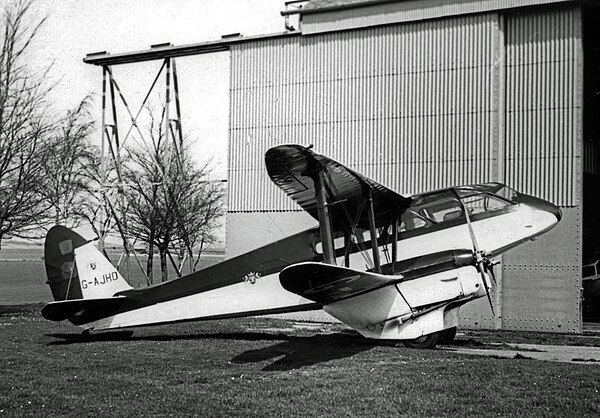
(263, 294)
(389, 312)
(440, 287)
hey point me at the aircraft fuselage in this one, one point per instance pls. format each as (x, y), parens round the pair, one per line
(432, 226)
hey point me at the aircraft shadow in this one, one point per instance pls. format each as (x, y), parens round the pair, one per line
(65, 339)
(299, 352)
(289, 353)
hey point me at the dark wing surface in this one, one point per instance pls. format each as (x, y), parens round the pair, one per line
(65, 309)
(326, 283)
(293, 167)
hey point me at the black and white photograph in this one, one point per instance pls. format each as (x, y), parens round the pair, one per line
(304, 208)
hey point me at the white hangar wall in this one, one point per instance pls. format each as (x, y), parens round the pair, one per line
(419, 106)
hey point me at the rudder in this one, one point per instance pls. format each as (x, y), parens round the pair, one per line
(59, 257)
(76, 269)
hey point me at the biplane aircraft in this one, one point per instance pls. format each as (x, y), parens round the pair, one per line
(390, 266)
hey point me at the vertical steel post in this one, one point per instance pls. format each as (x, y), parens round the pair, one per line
(177, 106)
(167, 106)
(120, 188)
(103, 174)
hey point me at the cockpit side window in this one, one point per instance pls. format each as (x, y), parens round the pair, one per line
(444, 210)
(432, 210)
(507, 193)
(484, 202)
(411, 220)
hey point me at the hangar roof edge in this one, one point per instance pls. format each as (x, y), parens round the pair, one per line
(320, 6)
(167, 50)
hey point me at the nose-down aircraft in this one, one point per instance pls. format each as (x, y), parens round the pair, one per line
(392, 267)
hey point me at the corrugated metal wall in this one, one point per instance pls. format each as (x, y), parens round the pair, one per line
(417, 106)
(412, 106)
(544, 104)
(405, 11)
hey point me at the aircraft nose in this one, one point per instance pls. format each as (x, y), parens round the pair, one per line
(551, 208)
(541, 204)
(558, 213)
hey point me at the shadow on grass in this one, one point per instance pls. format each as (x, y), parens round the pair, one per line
(289, 353)
(298, 352)
(66, 339)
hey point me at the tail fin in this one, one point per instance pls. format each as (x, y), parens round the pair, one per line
(77, 270)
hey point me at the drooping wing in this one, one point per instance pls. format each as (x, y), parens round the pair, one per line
(291, 167)
(326, 283)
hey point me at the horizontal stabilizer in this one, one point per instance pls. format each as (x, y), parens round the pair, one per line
(66, 309)
(326, 283)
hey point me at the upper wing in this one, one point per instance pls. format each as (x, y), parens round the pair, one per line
(291, 167)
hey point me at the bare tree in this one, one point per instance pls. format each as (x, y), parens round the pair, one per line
(171, 201)
(22, 126)
(199, 210)
(67, 167)
(150, 219)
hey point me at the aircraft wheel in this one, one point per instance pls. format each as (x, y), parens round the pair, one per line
(426, 341)
(447, 335)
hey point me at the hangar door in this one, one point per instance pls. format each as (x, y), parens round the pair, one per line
(542, 282)
(540, 285)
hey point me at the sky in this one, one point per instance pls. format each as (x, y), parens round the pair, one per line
(75, 28)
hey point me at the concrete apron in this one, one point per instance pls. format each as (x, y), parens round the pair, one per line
(558, 353)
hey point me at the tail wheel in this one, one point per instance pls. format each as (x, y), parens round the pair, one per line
(426, 341)
(447, 335)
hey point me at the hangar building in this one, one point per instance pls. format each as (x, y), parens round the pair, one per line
(421, 95)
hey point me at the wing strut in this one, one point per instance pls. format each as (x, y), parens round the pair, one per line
(317, 173)
(373, 230)
(395, 225)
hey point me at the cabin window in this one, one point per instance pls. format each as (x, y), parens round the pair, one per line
(359, 237)
(507, 193)
(338, 243)
(435, 209)
(442, 211)
(411, 221)
(483, 203)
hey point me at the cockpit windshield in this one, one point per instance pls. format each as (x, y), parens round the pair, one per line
(497, 189)
(444, 206)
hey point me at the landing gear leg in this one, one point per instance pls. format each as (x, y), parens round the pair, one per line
(447, 335)
(426, 341)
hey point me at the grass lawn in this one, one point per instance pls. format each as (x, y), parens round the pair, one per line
(268, 367)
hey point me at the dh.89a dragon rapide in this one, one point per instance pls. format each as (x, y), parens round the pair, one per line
(390, 266)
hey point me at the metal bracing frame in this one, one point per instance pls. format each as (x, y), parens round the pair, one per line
(112, 145)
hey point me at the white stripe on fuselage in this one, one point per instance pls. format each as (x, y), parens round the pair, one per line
(265, 293)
